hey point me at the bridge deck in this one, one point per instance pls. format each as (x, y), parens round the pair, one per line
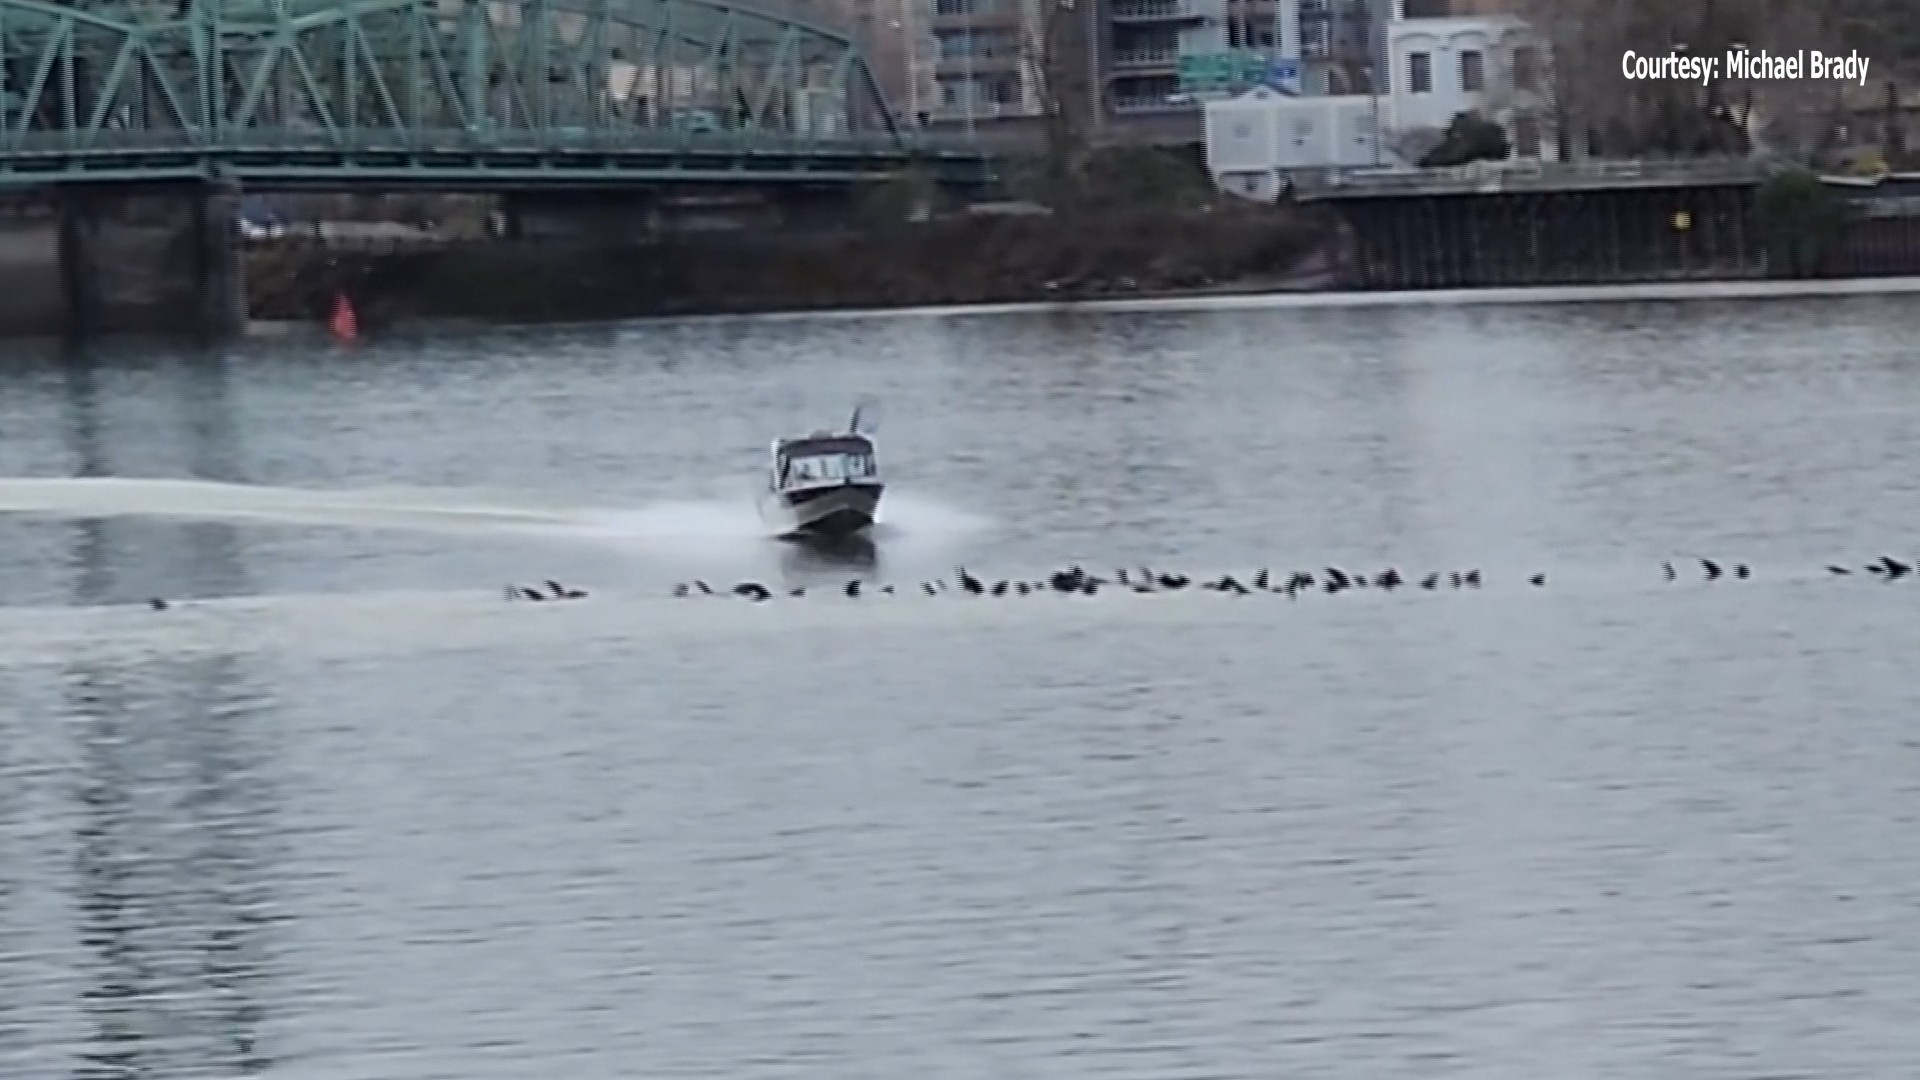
(454, 160)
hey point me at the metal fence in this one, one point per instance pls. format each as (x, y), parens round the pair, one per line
(1528, 175)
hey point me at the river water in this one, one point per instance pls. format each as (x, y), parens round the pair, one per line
(341, 811)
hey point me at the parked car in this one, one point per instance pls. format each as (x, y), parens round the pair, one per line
(261, 230)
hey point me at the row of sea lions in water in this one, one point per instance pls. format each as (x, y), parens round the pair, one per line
(1075, 580)
(554, 591)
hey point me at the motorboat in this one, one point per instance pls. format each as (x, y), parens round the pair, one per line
(824, 486)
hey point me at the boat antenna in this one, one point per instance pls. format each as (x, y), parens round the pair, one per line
(866, 409)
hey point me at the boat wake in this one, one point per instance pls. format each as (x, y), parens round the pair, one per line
(693, 526)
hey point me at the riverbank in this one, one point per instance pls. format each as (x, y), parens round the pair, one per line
(1253, 299)
(956, 261)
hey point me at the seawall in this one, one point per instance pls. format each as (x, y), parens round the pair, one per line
(141, 258)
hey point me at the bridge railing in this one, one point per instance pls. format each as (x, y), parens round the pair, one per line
(450, 140)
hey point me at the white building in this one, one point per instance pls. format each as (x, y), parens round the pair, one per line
(1491, 64)
(1254, 140)
(1494, 65)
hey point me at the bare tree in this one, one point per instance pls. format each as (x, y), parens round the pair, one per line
(1584, 40)
(1794, 116)
(1057, 55)
(1587, 39)
(1575, 78)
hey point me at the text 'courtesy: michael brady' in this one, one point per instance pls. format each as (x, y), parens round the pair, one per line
(1747, 64)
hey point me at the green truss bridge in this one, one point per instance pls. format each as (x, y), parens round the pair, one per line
(128, 128)
(467, 94)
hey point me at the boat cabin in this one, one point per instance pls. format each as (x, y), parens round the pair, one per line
(823, 458)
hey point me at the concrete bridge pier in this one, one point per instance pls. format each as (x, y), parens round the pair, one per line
(82, 261)
(219, 270)
(77, 249)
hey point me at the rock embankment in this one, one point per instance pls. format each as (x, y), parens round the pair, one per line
(955, 261)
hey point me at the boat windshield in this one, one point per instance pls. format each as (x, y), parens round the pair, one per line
(829, 467)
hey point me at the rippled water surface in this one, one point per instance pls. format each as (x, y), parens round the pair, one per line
(343, 812)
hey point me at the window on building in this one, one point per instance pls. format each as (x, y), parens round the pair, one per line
(1473, 71)
(1526, 68)
(1139, 44)
(1420, 73)
(985, 44)
(1526, 136)
(1316, 41)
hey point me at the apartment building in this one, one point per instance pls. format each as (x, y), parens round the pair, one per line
(988, 61)
(885, 30)
(976, 60)
(1152, 50)
(972, 61)
(1224, 47)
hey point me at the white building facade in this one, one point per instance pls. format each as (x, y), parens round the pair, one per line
(1437, 68)
(1255, 140)
(1494, 65)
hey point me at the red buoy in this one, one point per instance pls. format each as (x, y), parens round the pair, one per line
(345, 325)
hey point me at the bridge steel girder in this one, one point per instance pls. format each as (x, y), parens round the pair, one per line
(438, 92)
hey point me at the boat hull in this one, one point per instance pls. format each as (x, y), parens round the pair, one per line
(827, 512)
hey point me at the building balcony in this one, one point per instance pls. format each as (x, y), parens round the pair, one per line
(980, 111)
(1146, 60)
(994, 18)
(979, 64)
(1142, 104)
(1351, 18)
(1153, 11)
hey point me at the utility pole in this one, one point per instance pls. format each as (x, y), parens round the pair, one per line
(973, 79)
(908, 29)
(1373, 87)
